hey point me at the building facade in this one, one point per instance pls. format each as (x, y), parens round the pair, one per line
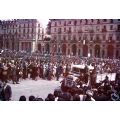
(21, 34)
(78, 37)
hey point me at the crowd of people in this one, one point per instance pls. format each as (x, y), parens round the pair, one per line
(15, 66)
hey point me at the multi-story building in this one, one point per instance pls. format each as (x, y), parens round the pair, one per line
(21, 34)
(78, 37)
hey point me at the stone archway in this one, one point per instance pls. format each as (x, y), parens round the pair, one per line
(64, 49)
(117, 53)
(103, 53)
(97, 51)
(85, 50)
(47, 48)
(7, 45)
(1, 45)
(110, 51)
(79, 52)
(39, 47)
(74, 49)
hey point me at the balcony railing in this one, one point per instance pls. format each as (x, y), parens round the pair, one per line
(91, 31)
(104, 30)
(110, 41)
(47, 39)
(69, 32)
(59, 32)
(97, 41)
(80, 31)
(73, 41)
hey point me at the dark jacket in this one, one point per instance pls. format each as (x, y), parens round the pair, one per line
(6, 93)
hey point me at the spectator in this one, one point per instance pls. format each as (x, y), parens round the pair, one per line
(31, 98)
(22, 98)
(6, 92)
(76, 97)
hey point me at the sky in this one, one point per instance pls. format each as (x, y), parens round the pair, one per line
(44, 22)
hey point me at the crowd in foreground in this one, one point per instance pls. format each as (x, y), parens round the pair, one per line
(84, 88)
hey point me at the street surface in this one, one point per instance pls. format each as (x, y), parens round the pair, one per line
(39, 88)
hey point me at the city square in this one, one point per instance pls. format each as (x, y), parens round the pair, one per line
(68, 60)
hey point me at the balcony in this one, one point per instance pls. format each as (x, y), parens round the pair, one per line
(53, 41)
(47, 39)
(91, 31)
(79, 31)
(63, 41)
(97, 41)
(59, 32)
(104, 30)
(110, 41)
(69, 31)
(73, 41)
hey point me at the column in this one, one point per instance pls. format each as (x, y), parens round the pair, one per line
(81, 51)
(105, 54)
(88, 48)
(101, 48)
(114, 55)
(77, 50)
(93, 52)
(20, 46)
(10, 45)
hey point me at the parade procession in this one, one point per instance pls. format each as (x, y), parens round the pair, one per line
(51, 69)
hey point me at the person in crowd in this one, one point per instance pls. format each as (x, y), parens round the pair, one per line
(50, 97)
(6, 92)
(1, 89)
(89, 95)
(14, 74)
(25, 72)
(76, 97)
(22, 98)
(4, 73)
(31, 98)
(58, 73)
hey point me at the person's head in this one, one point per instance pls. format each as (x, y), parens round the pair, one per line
(31, 98)
(22, 98)
(57, 93)
(51, 97)
(66, 96)
(46, 99)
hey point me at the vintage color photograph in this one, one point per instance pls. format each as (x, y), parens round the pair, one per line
(60, 60)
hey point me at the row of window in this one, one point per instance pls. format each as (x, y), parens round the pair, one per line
(20, 31)
(21, 36)
(85, 21)
(28, 25)
(85, 37)
(69, 29)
